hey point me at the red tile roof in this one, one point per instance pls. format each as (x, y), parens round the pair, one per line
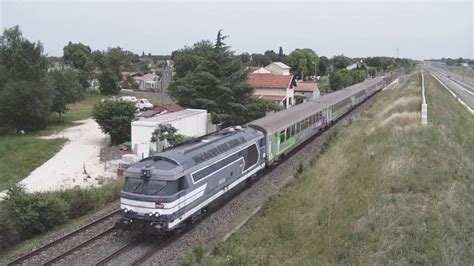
(269, 81)
(305, 86)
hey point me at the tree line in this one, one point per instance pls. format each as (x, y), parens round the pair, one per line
(36, 90)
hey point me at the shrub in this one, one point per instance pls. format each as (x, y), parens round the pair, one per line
(114, 118)
(32, 214)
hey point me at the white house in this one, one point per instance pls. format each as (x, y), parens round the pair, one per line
(147, 82)
(189, 122)
(277, 88)
(278, 68)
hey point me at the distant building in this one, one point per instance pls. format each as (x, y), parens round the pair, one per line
(278, 68)
(307, 89)
(147, 82)
(276, 88)
(354, 66)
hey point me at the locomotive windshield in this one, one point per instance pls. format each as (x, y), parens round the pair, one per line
(150, 187)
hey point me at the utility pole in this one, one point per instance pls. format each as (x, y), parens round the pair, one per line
(397, 52)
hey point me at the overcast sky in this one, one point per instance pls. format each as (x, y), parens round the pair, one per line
(420, 30)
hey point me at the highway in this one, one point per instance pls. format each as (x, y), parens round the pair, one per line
(462, 86)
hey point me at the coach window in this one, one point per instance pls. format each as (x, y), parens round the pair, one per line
(288, 133)
(282, 136)
(298, 127)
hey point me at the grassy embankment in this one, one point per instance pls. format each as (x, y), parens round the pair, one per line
(386, 190)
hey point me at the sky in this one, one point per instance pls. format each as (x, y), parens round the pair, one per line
(417, 29)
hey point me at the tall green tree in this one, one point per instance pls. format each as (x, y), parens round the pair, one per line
(109, 81)
(76, 55)
(25, 104)
(25, 98)
(323, 66)
(66, 88)
(208, 76)
(303, 62)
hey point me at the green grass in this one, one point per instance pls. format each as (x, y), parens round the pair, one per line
(152, 97)
(387, 190)
(19, 155)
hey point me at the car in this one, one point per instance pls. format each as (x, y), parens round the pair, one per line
(144, 104)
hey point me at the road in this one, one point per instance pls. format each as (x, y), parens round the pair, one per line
(462, 86)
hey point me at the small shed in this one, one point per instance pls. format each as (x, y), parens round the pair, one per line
(189, 122)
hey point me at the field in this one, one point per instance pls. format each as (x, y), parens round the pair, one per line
(386, 190)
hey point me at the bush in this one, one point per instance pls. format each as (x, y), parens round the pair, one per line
(25, 215)
(115, 118)
(32, 214)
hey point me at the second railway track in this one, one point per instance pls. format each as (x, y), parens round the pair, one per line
(67, 244)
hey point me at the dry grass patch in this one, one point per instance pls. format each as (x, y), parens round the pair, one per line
(387, 191)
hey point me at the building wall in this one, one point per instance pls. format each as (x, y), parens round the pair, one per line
(191, 126)
(288, 93)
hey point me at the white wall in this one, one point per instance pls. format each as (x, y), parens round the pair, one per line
(191, 126)
(288, 93)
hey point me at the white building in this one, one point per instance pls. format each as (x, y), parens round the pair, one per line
(189, 122)
(147, 82)
(277, 88)
(278, 68)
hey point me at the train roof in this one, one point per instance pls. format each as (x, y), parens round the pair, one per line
(171, 163)
(280, 120)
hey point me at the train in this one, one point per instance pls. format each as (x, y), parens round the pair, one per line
(167, 190)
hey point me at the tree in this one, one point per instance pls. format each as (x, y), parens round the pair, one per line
(25, 104)
(25, 98)
(272, 55)
(282, 56)
(20, 58)
(339, 62)
(108, 80)
(260, 60)
(340, 79)
(115, 118)
(220, 39)
(323, 66)
(66, 89)
(170, 134)
(303, 62)
(76, 55)
(209, 76)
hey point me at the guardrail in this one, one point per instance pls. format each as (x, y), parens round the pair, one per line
(424, 105)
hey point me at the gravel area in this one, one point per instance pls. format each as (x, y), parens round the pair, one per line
(76, 164)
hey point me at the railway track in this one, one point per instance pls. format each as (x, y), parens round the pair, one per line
(56, 243)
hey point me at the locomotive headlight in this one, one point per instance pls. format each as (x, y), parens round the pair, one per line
(157, 215)
(151, 214)
(126, 210)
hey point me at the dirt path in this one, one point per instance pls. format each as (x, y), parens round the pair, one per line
(76, 164)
